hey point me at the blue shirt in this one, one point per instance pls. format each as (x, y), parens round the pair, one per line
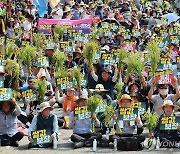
(82, 126)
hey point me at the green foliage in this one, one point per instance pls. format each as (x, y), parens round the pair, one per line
(13, 68)
(93, 102)
(39, 39)
(89, 51)
(16, 94)
(108, 113)
(122, 55)
(151, 120)
(58, 59)
(9, 50)
(154, 55)
(119, 87)
(78, 76)
(59, 32)
(41, 88)
(135, 64)
(27, 55)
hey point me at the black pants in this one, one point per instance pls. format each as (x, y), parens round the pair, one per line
(7, 140)
(86, 137)
(139, 138)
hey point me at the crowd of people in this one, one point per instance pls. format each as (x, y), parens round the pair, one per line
(105, 55)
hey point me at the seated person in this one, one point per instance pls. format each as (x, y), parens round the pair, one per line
(9, 134)
(82, 134)
(68, 103)
(44, 120)
(128, 127)
(167, 135)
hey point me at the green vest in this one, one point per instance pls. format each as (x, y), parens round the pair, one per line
(43, 123)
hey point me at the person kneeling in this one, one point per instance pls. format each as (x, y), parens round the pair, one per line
(45, 120)
(82, 134)
(9, 135)
(168, 136)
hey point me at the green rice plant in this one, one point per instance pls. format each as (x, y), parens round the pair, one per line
(108, 113)
(27, 55)
(154, 55)
(134, 64)
(41, 89)
(150, 120)
(78, 76)
(9, 50)
(122, 55)
(119, 88)
(39, 39)
(93, 102)
(58, 60)
(16, 94)
(59, 32)
(89, 51)
(13, 69)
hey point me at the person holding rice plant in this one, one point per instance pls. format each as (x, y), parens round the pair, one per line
(106, 80)
(168, 135)
(129, 138)
(82, 134)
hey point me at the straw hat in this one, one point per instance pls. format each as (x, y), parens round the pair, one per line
(123, 97)
(168, 103)
(99, 88)
(44, 106)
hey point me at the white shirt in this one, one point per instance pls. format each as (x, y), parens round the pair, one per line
(59, 13)
(27, 25)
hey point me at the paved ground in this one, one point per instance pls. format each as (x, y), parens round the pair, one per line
(65, 147)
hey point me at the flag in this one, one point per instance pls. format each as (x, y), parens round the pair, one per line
(53, 3)
(41, 6)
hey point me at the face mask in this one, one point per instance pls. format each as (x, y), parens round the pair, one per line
(163, 92)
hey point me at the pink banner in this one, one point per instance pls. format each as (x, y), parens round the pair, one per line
(45, 24)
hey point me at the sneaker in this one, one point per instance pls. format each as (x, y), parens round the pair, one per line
(78, 145)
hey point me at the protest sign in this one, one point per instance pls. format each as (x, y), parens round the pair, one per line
(2, 60)
(165, 64)
(169, 123)
(141, 106)
(5, 94)
(64, 83)
(130, 46)
(1, 82)
(164, 77)
(43, 61)
(128, 114)
(2, 40)
(81, 112)
(107, 59)
(44, 25)
(41, 137)
(100, 109)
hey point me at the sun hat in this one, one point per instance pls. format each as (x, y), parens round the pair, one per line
(168, 103)
(99, 88)
(84, 95)
(44, 106)
(123, 97)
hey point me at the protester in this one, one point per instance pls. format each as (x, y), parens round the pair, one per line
(167, 135)
(44, 120)
(9, 111)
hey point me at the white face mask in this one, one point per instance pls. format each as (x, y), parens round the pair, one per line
(163, 92)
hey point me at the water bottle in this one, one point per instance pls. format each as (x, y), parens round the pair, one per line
(115, 144)
(94, 145)
(55, 143)
(157, 143)
(107, 134)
